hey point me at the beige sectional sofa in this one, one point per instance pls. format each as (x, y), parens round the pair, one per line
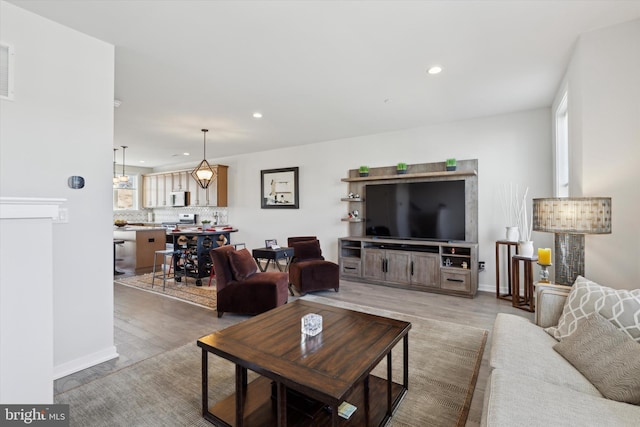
(533, 385)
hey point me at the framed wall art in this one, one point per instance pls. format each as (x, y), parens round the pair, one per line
(279, 188)
(271, 243)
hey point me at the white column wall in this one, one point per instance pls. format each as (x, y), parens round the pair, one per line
(26, 353)
(61, 124)
(603, 79)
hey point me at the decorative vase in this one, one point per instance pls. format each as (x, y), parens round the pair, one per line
(363, 174)
(401, 171)
(525, 248)
(512, 234)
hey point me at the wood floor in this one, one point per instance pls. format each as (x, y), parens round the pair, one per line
(147, 324)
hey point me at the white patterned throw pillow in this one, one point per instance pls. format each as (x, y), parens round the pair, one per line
(619, 306)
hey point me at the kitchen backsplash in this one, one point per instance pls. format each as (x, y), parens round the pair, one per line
(168, 215)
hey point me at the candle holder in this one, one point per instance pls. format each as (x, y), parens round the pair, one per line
(311, 324)
(544, 273)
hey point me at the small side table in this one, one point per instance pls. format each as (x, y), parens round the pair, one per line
(527, 302)
(509, 295)
(274, 255)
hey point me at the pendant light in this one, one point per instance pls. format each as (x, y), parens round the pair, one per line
(203, 174)
(115, 177)
(124, 178)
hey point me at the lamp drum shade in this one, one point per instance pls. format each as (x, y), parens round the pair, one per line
(575, 215)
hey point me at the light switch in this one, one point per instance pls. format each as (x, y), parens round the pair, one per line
(63, 216)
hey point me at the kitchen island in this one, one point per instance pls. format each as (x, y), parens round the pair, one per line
(139, 247)
(193, 246)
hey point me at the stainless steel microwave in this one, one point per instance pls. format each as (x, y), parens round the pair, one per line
(179, 198)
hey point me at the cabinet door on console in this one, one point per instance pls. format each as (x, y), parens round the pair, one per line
(425, 270)
(373, 264)
(398, 266)
(456, 279)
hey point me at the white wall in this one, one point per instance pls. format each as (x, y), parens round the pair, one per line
(603, 79)
(510, 148)
(61, 124)
(27, 375)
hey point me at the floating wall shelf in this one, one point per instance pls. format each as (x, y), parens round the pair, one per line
(412, 175)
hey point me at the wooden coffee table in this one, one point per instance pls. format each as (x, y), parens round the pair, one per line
(304, 379)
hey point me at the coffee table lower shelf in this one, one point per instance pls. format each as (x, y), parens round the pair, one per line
(260, 408)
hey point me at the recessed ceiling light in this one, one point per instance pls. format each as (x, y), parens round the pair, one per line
(434, 70)
(185, 154)
(257, 115)
(141, 161)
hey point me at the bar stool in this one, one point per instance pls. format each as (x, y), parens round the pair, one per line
(164, 254)
(116, 242)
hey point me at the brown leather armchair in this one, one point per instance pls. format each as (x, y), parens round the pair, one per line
(241, 288)
(309, 271)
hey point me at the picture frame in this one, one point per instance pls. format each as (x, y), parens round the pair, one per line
(271, 242)
(279, 188)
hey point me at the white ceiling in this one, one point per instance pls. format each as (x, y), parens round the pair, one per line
(321, 70)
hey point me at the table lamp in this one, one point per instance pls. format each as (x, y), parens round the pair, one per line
(570, 218)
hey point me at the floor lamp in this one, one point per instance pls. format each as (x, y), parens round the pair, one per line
(570, 218)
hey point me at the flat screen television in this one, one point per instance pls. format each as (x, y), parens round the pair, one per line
(433, 210)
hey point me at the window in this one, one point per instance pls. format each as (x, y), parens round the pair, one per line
(562, 149)
(126, 197)
(6, 72)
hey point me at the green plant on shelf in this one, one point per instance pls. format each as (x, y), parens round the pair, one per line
(401, 168)
(450, 164)
(364, 170)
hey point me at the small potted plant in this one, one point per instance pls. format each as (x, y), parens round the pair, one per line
(401, 168)
(451, 164)
(205, 224)
(364, 170)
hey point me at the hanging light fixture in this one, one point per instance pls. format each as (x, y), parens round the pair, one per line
(203, 174)
(115, 177)
(124, 178)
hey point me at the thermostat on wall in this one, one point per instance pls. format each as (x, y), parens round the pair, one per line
(76, 182)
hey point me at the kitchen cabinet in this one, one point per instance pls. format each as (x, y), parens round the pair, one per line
(140, 245)
(157, 188)
(149, 191)
(181, 181)
(216, 193)
(163, 191)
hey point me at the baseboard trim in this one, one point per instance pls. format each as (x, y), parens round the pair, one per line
(84, 362)
(483, 287)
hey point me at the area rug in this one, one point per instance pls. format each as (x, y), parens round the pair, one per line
(204, 295)
(165, 390)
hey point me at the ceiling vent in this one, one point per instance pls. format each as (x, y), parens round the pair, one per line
(6, 72)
